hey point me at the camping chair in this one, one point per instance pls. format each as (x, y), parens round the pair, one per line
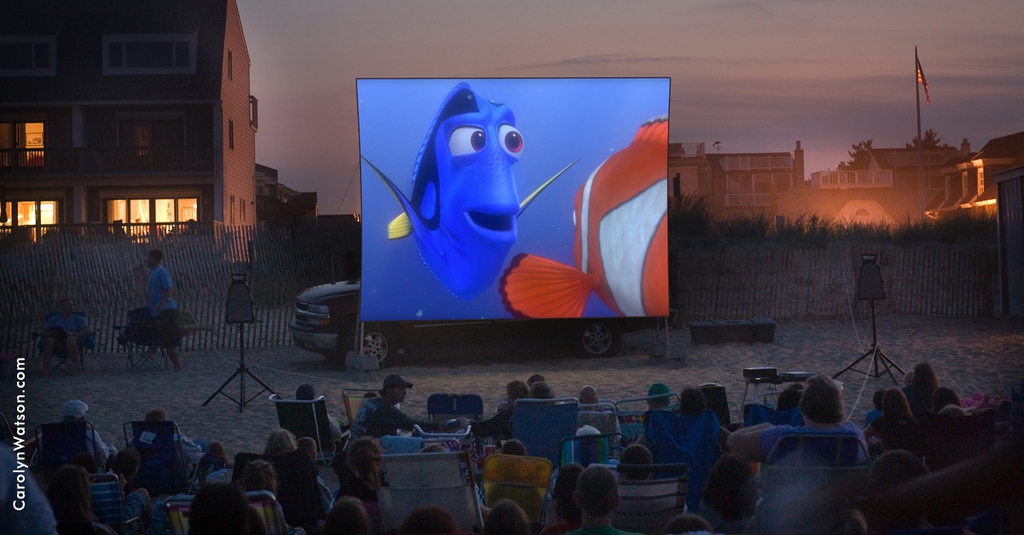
(756, 414)
(541, 424)
(408, 481)
(178, 507)
(589, 449)
(297, 489)
(57, 443)
(140, 339)
(809, 448)
(691, 439)
(107, 500)
(631, 414)
(645, 506)
(462, 440)
(307, 419)
(264, 502)
(162, 464)
(441, 407)
(602, 416)
(947, 440)
(354, 399)
(524, 480)
(60, 351)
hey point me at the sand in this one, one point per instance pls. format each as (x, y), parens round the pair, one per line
(969, 356)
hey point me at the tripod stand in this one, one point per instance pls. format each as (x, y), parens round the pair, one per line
(877, 356)
(241, 372)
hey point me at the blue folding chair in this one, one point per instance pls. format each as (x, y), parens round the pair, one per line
(162, 464)
(60, 351)
(757, 414)
(690, 439)
(541, 424)
(107, 501)
(586, 450)
(57, 443)
(442, 407)
(811, 448)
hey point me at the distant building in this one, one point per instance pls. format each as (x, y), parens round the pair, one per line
(277, 202)
(976, 186)
(1009, 186)
(125, 111)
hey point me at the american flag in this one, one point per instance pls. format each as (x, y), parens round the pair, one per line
(922, 81)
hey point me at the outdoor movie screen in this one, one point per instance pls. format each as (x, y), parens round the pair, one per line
(513, 198)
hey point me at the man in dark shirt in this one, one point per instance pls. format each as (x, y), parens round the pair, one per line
(379, 416)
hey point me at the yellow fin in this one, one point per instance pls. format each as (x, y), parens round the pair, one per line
(399, 227)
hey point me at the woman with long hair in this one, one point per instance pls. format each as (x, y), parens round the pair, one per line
(68, 492)
(896, 428)
(919, 392)
(259, 475)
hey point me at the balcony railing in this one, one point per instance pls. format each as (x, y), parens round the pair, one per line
(875, 178)
(739, 163)
(120, 162)
(747, 199)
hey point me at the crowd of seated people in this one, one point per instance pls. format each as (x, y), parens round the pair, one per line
(583, 499)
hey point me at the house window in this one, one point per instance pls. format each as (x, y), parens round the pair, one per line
(188, 209)
(231, 135)
(22, 144)
(981, 180)
(169, 210)
(232, 210)
(8, 217)
(230, 67)
(28, 56)
(149, 54)
(138, 210)
(254, 112)
(963, 185)
(37, 213)
(241, 208)
(149, 134)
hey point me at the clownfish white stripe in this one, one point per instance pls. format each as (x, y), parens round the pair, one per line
(628, 230)
(584, 224)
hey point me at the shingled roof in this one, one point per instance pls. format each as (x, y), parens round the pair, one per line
(1011, 146)
(79, 27)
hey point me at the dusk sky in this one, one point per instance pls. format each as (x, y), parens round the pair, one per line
(755, 75)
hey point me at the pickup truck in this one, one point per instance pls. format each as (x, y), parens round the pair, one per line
(326, 322)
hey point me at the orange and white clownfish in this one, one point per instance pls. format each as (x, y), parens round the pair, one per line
(621, 245)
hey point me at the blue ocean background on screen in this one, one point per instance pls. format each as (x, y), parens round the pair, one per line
(561, 120)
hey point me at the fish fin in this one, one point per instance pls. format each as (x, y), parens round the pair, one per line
(413, 223)
(536, 287)
(653, 131)
(399, 227)
(526, 202)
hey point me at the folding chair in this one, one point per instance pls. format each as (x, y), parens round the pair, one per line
(178, 508)
(631, 414)
(354, 399)
(446, 479)
(589, 449)
(756, 414)
(691, 439)
(307, 418)
(60, 351)
(57, 443)
(107, 501)
(162, 464)
(524, 480)
(541, 424)
(140, 338)
(645, 506)
(602, 416)
(441, 407)
(947, 440)
(297, 489)
(265, 503)
(810, 448)
(452, 441)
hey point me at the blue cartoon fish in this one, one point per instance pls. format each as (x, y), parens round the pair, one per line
(464, 200)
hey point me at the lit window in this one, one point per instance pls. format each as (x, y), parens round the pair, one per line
(963, 184)
(22, 144)
(164, 211)
(117, 210)
(149, 54)
(48, 212)
(241, 209)
(8, 217)
(139, 210)
(37, 213)
(28, 56)
(981, 180)
(188, 210)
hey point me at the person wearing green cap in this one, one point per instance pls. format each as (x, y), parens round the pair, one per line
(658, 398)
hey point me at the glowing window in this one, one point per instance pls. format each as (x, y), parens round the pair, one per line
(48, 212)
(188, 209)
(981, 180)
(164, 211)
(139, 210)
(8, 217)
(117, 210)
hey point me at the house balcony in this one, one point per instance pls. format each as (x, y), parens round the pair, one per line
(107, 162)
(747, 199)
(874, 178)
(745, 163)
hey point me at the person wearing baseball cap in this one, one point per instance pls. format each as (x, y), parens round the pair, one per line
(658, 398)
(74, 411)
(379, 416)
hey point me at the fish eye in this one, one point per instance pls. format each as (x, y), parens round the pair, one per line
(511, 139)
(466, 140)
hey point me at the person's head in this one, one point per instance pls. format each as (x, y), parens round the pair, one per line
(219, 509)
(86, 461)
(943, 396)
(562, 494)
(218, 451)
(305, 392)
(259, 475)
(513, 447)
(790, 397)
(156, 415)
(688, 523)
(154, 258)
(955, 411)
(635, 454)
(876, 398)
(658, 396)
(908, 378)
(541, 390)
(535, 378)
(433, 448)
(821, 401)
(730, 488)
(125, 463)
(74, 410)
(507, 518)
(516, 390)
(364, 456)
(308, 445)
(691, 401)
(280, 441)
(69, 495)
(894, 403)
(925, 378)
(394, 387)
(347, 517)
(429, 520)
(588, 395)
(67, 306)
(890, 469)
(597, 492)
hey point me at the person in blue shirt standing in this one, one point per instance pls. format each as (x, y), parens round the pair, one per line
(67, 330)
(163, 307)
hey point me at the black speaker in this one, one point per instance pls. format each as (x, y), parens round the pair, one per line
(869, 284)
(239, 307)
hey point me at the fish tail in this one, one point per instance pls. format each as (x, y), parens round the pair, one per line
(399, 227)
(536, 287)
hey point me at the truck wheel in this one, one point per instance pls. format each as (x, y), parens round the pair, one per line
(379, 341)
(596, 338)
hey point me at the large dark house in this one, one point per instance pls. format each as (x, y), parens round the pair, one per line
(126, 111)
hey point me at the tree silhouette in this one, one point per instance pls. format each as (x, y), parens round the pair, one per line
(931, 141)
(859, 157)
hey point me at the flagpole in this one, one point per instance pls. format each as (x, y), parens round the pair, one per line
(920, 142)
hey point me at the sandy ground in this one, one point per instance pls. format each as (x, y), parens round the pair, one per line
(969, 356)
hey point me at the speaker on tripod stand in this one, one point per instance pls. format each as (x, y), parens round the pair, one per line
(870, 288)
